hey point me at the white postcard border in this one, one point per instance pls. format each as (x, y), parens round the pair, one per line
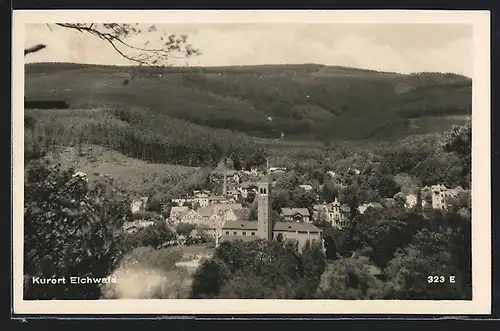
(481, 187)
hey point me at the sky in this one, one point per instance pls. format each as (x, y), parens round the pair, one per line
(403, 48)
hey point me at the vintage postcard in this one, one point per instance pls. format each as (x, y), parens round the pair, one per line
(268, 162)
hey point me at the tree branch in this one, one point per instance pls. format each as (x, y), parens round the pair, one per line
(115, 35)
(34, 49)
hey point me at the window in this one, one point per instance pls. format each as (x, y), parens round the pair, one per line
(253, 233)
(234, 233)
(227, 232)
(244, 233)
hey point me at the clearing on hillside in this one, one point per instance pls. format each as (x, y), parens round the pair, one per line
(133, 175)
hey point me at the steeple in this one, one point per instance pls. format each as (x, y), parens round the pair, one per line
(264, 213)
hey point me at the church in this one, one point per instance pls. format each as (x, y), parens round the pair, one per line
(295, 233)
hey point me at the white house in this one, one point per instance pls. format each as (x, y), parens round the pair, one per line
(364, 207)
(306, 187)
(139, 205)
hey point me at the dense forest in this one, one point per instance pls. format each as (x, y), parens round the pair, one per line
(305, 102)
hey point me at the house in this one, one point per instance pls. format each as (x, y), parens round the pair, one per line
(192, 216)
(273, 170)
(246, 188)
(331, 174)
(235, 177)
(131, 228)
(207, 212)
(335, 213)
(210, 219)
(296, 214)
(254, 171)
(389, 202)
(139, 205)
(176, 213)
(234, 194)
(364, 207)
(134, 226)
(218, 216)
(411, 201)
(320, 211)
(217, 200)
(353, 171)
(180, 201)
(81, 175)
(306, 187)
(439, 195)
(338, 213)
(201, 198)
(221, 170)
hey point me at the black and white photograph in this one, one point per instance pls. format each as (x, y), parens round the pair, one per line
(320, 162)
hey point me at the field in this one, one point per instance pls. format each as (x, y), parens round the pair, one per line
(133, 175)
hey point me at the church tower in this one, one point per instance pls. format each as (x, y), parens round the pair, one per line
(265, 224)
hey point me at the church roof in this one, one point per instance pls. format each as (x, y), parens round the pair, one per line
(278, 226)
(293, 227)
(240, 225)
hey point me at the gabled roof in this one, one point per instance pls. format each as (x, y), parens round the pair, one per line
(375, 205)
(320, 207)
(278, 226)
(345, 208)
(206, 211)
(294, 211)
(178, 209)
(217, 208)
(240, 225)
(183, 214)
(216, 197)
(225, 206)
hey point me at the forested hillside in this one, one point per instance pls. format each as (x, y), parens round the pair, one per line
(306, 102)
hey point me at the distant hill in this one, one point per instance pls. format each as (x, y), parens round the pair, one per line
(306, 102)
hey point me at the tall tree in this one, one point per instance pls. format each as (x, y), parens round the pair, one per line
(69, 230)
